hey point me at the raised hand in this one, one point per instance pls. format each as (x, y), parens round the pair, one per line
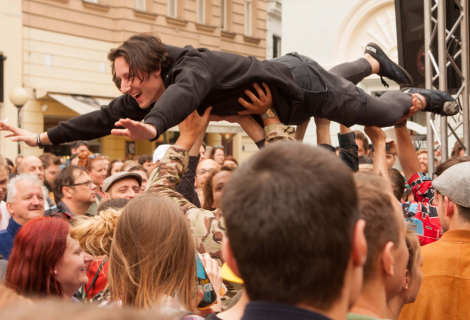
(135, 130)
(258, 106)
(417, 106)
(191, 127)
(18, 134)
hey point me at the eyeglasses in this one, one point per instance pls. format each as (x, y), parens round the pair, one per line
(202, 172)
(86, 183)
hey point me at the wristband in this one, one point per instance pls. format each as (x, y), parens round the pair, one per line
(401, 125)
(40, 146)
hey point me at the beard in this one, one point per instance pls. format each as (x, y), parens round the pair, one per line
(48, 185)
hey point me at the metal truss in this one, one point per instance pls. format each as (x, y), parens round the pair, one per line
(450, 48)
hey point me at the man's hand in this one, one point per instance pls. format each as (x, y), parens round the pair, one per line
(18, 134)
(259, 106)
(135, 130)
(392, 146)
(191, 127)
(376, 135)
(417, 106)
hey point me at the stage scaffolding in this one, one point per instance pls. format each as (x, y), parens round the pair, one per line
(437, 69)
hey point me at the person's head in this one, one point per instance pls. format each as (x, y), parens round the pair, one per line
(114, 167)
(122, 185)
(423, 159)
(51, 165)
(96, 168)
(366, 164)
(391, 159)
(136, 68)
(215, 186)
(74, 159)
(457, 150)
(80, 147)
(95, 234)
(128, 164)
(4, 177)
(204, 168)
(230, 162)
(202, 151)
(144, 174)
(25, 199)
(449, 163)
(218, 154)
(18, 160)
(31, 165)
(45, 261)
(150, 236)
(362, 143)
(283, 202)
(398, 183)
(146, 161)
(451, 197)
(112, 204)
(74, 185)
(385, 231)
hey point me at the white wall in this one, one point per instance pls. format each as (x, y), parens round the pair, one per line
(273, 25)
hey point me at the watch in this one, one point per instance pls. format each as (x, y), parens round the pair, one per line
(271, 113)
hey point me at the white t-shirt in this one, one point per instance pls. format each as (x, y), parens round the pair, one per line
(5, 216)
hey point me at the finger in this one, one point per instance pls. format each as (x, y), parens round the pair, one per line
(268, 92)
(247, 105)
(252, 96)
(19, 138)
(10, 135)
(120, 132)
(260, 91)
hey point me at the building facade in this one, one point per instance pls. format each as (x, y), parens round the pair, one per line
(57, 50)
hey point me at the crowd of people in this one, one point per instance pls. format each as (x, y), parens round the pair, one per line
(294, 232)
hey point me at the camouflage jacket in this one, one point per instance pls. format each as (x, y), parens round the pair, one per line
(208, 227)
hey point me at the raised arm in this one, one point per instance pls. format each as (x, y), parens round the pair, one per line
(378, 137)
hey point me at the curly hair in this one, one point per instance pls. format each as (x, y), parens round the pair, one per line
(207, 191)
(95, 234)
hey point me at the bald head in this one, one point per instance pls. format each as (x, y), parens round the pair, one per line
(205, 167)
(31, 165)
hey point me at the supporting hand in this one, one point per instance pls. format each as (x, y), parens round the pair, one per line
(259, 106)
(378, 137)
(191, 127)
(417, 106)
(135, 130)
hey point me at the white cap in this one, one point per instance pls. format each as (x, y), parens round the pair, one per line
(160, 152)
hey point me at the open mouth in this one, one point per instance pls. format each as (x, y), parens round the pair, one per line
(83, 269)
(137, 95)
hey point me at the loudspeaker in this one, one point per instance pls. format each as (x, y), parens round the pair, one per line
(410, 40)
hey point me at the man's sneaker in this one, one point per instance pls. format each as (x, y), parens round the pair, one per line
(388, 68)
(436, 101)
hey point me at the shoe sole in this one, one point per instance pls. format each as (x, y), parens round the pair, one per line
(411, 84)
(450, 108)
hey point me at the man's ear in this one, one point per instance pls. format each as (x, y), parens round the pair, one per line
(67, 192)
(106, 196)
(10, 208)
(158, 72)
(387, 259)
(228, 257)
(406, 280)
(449, 205)
(359, 244)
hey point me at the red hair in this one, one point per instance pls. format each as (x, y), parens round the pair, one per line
(39, 245)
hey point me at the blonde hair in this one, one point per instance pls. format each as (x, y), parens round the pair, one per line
(95, 234)
(153, 255)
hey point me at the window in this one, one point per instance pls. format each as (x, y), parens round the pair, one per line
(200, 11)
(276, 46)
(172, 8)
(248, 17)
(140, 5)
(223, 14)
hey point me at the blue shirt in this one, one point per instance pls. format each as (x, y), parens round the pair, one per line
(278, 311)
(7, 236)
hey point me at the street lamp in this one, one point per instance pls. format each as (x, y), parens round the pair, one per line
(19, 97)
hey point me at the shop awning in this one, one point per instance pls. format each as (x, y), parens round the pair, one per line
(86, 104)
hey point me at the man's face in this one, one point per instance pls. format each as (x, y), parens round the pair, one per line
(126, 188)
(146, 92)
(360, 148)
(148, 165)
(28, 203)
(50, 173)
(82, 193)
(82, 148)
(391, 159)
(32, 165)
(400, 252)
(219, 182)
(3, 182)
(423, 160)
(145, 179)
(203, 170)
(202, 153)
